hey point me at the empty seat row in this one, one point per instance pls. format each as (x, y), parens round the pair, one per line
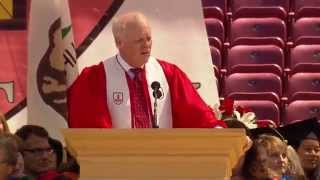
(269, 86)
(268, 58)
(272, 30)
(274, 8)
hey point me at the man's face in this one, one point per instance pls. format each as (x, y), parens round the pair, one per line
(5, 168)
(309, 153)
(37, 155)
(135, 45)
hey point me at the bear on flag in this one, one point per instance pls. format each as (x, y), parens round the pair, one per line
(52, 64)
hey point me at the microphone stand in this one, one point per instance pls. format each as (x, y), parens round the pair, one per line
(155, 107)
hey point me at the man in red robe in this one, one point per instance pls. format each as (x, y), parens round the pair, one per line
(112, 95)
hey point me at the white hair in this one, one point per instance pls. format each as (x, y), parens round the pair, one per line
(122, 23)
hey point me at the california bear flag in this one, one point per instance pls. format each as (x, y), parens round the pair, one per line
(52, 64)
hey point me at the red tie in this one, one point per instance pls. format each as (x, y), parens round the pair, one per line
(140, 115)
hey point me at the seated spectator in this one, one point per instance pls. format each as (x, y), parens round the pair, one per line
(266, 159)
(58, 152)
(304, 137)
(37, 152)
(295, 168)
(71, 168)
(309, 153)
(8, 157)
(15, 141)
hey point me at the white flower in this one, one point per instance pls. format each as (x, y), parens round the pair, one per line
(249, 119)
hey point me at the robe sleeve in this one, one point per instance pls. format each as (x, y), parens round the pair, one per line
(87, 103)
(188, 108)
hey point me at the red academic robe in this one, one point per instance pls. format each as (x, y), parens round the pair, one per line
(87, 103)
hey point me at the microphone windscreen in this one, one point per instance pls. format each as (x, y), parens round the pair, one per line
(155, 85)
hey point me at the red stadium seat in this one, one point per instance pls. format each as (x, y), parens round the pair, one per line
(300, 110)
(253, 83)
(260, 41)
(257, 28)
(222, 4)
(305, 58)
(215, 42)
(216, 57)
(260, 58)
(213, 12)
(215, 28)
(262, 109)
(214, 9)
(303, 85)
(259, 8)
(306, 28)
(306, 8)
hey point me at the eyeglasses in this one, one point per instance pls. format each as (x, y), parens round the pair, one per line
(39, 151)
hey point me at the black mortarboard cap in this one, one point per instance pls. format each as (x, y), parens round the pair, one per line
(255, 133)
(300, 130)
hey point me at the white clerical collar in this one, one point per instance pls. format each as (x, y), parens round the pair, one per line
(125, 65)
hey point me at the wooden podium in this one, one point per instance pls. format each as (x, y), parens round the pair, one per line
(151, 154)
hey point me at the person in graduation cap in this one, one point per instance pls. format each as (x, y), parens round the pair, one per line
(269, 157)
(304, 136)
(119, 92)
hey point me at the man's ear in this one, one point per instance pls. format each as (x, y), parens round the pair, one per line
(118, 42)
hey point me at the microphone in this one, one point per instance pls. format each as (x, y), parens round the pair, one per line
(155, 85)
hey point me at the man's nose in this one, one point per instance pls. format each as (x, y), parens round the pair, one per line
(147, 43)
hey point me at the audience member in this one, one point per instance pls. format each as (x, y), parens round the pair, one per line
(8, 157)
(15, 141)
(266, 159)
(309, 153)
(295, 169)
(37, 152)
(58, 152)
(71, 168)
(304, 137)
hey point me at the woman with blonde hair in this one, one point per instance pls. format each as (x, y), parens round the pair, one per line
(266, 159)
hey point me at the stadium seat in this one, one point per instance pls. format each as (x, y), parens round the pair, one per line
(257, 28)
(245, 83)
(303, 85)
(259, 8)
(216, 57)
(260, 41)
(259, 58)
(302, 109)
(215, 28)
(215, 42)
(214, 9)
(213, 12)
(305, 58)
(306, 8)
(222, 4)
(306, 28)
(266, 123)
(263, 109)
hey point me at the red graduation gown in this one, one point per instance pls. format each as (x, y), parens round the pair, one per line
(87, 103)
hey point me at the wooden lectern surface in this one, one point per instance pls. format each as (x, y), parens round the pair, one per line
(155, 153)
